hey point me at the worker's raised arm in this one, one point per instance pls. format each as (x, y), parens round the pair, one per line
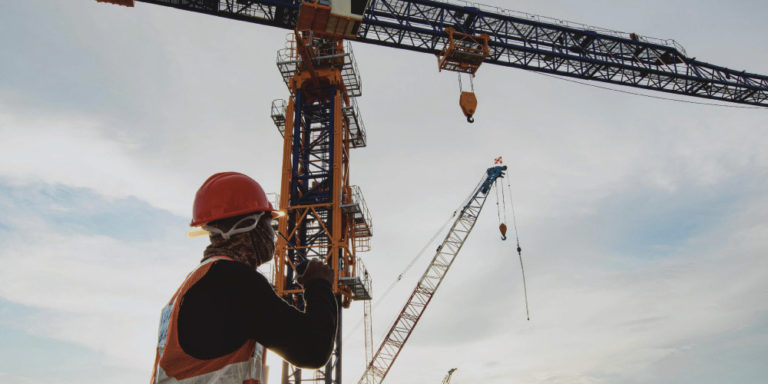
(305, 339)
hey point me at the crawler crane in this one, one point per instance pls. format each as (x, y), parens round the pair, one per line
(425, 289)
(447, 379)
(326, 215)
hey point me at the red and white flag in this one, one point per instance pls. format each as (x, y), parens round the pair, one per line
(498, 160)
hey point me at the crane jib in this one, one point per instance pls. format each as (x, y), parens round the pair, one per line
(521, 41)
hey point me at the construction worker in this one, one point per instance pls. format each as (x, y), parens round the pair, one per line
(216, 326)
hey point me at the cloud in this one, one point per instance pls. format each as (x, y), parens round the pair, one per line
(642, 221)
(75, 151)
(601, 313)
(83, 282)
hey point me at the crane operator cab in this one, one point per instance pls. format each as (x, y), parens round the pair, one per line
(332, 19)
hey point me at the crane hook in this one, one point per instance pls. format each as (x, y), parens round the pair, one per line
(503, 230)
(468, 104)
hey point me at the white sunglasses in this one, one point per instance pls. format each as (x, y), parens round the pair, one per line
(207, 230)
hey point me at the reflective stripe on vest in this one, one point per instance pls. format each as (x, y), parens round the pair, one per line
(236, 373)
(173, 365)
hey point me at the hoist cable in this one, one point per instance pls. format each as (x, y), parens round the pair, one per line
(498, 208)
(525, 285)
(471, 83)
(514, 215)
(400, 276)
(504, 201)
(519, 250)
(413, 261)
(649, 96)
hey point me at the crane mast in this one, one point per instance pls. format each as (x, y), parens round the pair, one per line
(326, 216)
(425, 289)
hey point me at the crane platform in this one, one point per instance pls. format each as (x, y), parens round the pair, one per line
(356, 209)
(289, 62)
(360, 284)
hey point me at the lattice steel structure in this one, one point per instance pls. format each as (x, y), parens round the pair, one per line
(320, 122)
(521, 41)
(425, 289)
(327, 218)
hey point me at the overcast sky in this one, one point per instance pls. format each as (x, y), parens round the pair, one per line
(643, 222)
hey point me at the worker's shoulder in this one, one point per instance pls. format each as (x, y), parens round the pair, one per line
(235, 272)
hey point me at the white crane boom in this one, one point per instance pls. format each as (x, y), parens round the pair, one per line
(393, 343)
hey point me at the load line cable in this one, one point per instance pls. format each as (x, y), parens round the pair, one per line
(647, 95)
(504, 201)
(407, 269)
(519, 250)
(455, 212)
(498, 208)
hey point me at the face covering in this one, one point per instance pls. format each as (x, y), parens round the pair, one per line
(253, 244)
(263, 240)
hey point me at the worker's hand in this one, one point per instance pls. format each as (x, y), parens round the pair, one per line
(316, 270)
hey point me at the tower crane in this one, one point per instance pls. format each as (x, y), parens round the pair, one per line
(425, 289)
(326, 215)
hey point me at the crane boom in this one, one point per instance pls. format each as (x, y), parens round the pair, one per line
(447, 379)
(521, 41)
(425, 289)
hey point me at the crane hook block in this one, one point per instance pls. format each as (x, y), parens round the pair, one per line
(468, 103)
(503, 230)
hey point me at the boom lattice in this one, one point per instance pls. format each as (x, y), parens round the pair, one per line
(521, 41)
(429, 282)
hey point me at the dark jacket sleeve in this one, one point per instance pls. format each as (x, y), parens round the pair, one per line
(232, 303)
(306, 338)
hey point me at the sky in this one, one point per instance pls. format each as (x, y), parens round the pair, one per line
(643, 221)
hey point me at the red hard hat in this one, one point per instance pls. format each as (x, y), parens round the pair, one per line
(228, 194)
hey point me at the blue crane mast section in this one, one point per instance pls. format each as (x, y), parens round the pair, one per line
(520, 41)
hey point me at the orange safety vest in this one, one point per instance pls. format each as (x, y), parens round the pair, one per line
(172, 365)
